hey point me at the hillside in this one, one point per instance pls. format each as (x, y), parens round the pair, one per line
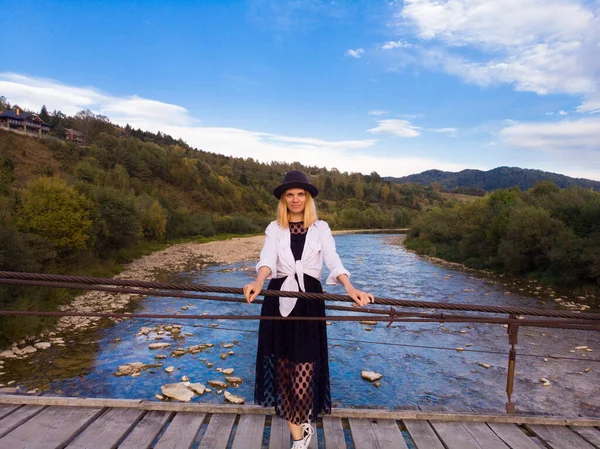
(498, 178)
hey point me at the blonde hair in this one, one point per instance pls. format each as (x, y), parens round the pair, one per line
(310, 211)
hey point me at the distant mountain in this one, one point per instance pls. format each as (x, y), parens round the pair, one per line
(498, 178)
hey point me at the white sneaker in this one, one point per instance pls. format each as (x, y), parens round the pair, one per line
(308, 431)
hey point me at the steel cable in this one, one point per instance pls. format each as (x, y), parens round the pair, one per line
(8, 275)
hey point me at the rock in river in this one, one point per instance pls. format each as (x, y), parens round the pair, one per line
(233, 380)
(217, 384)
(177, 391)
(159, 345)
(371, 376)
(233, 398)
(198, 388)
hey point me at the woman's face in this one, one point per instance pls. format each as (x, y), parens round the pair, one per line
(295, 200)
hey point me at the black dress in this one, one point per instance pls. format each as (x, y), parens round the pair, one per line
(292, 368)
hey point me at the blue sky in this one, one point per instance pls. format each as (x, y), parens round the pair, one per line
(393, 87)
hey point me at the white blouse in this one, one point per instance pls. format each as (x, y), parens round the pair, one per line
(277, 255)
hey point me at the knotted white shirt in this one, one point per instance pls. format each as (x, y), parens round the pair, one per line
(318, 247)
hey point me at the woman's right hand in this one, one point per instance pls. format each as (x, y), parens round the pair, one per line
(252, 290)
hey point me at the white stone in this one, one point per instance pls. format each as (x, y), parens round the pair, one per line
(159, 345)
(217, 384)
(233, 398)
(125, 370)
(371, 376)
(170, 369)
(177, 391)
(198, 388)
(227, 371)
(233, 380)
(42, 345)
(484, 365)
(8, 355)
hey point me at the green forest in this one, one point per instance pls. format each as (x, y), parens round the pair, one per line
(545, 232)
(86, 208)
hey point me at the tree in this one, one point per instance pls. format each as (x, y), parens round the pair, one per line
(44, 114)
(118, 225)
(152, 216)
(4, 105)
(56, 212)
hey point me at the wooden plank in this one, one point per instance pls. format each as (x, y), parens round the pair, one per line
(51, 428)
(181, 432)
(513, 436)
(379, 434)
(249, 434)
(480, 432)
(314, 441)
(6, 409)
(388, 435)
(333, 432)
(559, 437)
(452, 434)
(108, 429)
(18, 417)
(589, 434)
(143, 435)
(423, 435)
(218, 432)
(363, 435)
(280, 434)
(335, 412)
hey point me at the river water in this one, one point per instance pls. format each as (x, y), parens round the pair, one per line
(419, 361)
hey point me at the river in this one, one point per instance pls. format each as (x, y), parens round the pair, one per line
(419, 361)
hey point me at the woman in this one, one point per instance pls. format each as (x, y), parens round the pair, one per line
(292, 372)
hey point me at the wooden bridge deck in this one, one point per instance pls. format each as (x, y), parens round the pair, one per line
(43, 422)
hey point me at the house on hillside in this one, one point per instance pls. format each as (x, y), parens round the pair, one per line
(73, 136)
(24, 121)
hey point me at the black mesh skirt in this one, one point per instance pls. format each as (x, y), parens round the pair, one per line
(292, 369)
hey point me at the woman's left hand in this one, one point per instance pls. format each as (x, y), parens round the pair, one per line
(359, 297)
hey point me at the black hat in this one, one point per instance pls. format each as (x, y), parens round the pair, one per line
(295, 179)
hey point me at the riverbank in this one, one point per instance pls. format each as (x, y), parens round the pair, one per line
(564, 298)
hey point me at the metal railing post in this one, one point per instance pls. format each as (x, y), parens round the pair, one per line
(513, 333)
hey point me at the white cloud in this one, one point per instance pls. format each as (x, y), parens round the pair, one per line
(591, 105)
(568, 137)
(400, 128)
(134, 107)
(355, 53)
(152, 115)
(543, 46)
(450, 131)
(391, 45)
(562, 112)
(31, 93)
(377, 112)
